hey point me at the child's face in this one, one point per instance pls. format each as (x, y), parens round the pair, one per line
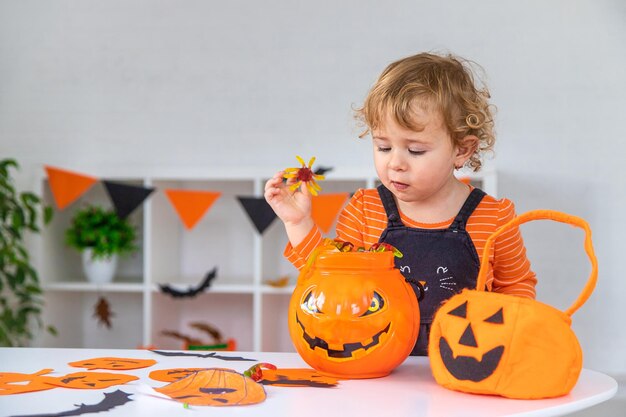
(415, 165)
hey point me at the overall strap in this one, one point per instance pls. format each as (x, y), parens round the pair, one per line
(393, 215)
(472, 201)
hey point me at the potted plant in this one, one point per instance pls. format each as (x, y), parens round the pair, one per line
(20, 290)
(101, 235)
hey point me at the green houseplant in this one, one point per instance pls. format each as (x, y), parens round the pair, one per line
(20, 290)
(101, 235)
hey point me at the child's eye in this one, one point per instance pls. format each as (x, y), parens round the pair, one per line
(415, 152)
(383, 149)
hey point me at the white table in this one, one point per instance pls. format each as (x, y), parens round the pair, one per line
(409, 390)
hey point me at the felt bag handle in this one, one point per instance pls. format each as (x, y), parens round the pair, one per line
(546, 215)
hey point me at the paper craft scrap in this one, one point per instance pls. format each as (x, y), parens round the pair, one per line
(89, 380)
(113, 363)
(14, 383)
(202, 355)
(67, 186)
(323, 170)
(173, 374)
(190, 291)
(215, 387)
(304, 174)
(325, 208)
(259, 212)
(110, 401)
(125, 197)
(102, 312)
(297, 377)
(278, 282)
(191, 204)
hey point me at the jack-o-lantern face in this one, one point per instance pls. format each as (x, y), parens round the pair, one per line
(216, 387)
(89, 380)
(478, 363)
(352, 315)
(14, 383)
(114, 364)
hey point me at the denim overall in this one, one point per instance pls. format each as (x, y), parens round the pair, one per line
(437, 262)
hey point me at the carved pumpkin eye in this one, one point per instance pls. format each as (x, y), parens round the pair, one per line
(376, 304)
(310, 304)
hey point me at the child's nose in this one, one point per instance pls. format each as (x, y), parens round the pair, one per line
(397, 161)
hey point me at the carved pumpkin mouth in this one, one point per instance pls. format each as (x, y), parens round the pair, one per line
(350, 350)
(466, 368)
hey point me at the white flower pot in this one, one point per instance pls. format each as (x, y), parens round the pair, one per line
(101, 270)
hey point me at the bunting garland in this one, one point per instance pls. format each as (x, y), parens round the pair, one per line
(67, 186)
(190, 205)
(325, 208)
(126, 198)
(259, 212)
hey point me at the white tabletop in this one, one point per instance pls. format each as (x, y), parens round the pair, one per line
(409, 390)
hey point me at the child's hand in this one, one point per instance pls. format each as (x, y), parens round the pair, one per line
(292, 207)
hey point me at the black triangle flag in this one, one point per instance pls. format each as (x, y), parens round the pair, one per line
(126, 198)
(259, 212)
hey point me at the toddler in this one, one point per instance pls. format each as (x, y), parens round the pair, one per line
(426, 119)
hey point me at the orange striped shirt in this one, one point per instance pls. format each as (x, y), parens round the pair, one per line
(363, 220)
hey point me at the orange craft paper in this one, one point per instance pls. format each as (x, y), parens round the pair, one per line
(191, 205)
(89, 380)
(67, 186)
(112, 363)
(296, 377)
(325, 208)
(173, 374)
(13, 382)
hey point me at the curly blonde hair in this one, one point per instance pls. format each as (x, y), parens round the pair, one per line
(443, 81)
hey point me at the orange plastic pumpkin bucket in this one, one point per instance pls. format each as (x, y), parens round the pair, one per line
(352, 314)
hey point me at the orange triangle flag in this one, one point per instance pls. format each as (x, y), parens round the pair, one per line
(325, 208)
(191, 205)
(67, 186)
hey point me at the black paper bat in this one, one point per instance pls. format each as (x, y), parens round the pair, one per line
(205, 355)
(322, 170)
(192, 291)
(111, 400)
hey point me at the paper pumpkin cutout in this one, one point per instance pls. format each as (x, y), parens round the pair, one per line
(173, 374)
(67, 186)
(89, 380)
(325, 208)
(191, 204)
(13, 382)
(489, 343)
(352, 314)
(216, 387)
(296, 377)
(113, 363)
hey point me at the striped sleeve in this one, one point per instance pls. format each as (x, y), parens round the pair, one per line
(511, 268)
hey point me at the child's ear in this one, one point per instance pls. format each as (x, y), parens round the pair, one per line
(465, 149)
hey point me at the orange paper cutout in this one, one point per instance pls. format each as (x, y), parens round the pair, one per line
(191, 205)
(173, 374)
(325, 208)
(67, 186)
(88, 380)
(296, 377)
(215, 386)
(114, 364)
(13, 382)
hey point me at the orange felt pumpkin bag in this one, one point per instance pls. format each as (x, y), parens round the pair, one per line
(488, 343)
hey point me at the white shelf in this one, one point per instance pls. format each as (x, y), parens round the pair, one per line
(239, 303)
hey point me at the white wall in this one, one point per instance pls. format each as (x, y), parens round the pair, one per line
(153, 84)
